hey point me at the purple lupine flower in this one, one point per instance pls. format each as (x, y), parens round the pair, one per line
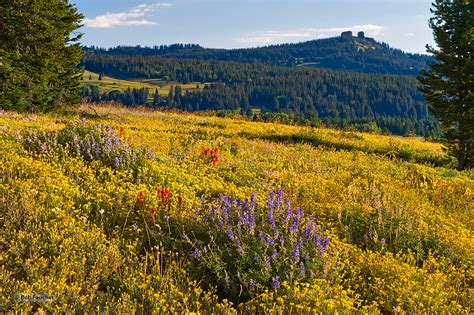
(302, 269)
(296, 250)
(270, 200)
(294, 226)
(196, 213)
(274, 253)
(220, 222)
(309, 228)
(135, 226)
(211, 212)
(299, 212)
(230, 234)
(196, 253)
(240, 249)
(279, 199)
(270, 240)
(288, 215)
(271, 218)
(225, 213)
(43, 148)
(244, 218)
(117, 162)
(268, 263)
(253, 199)
(322, 244)
(251, 222)
(276, 282)
(108, 144)
(252, 285)
(256, 258)
(261, 236)
(227, 200)
(245, 205)
(319, 243)
(382, 241)
(280, 193)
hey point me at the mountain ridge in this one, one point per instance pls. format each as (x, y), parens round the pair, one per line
(345, 52)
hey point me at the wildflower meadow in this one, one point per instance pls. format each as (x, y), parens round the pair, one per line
(140, 211)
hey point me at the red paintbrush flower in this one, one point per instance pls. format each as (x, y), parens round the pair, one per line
(152, 216)
(140, 200)
(122, 132)
(165, 196)
(215, 156)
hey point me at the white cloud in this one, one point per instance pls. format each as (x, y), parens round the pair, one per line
(409, 34)
(133, 17)
(273, 37)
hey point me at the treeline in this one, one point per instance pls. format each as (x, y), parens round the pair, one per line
(131, 97)
(338, 53)
(392, 102)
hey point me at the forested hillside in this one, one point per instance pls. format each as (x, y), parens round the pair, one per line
(304, 94)
(349, 53)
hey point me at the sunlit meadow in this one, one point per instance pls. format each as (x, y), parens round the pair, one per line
(140, 211)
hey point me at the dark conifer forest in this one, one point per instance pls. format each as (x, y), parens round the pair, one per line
(345, 82)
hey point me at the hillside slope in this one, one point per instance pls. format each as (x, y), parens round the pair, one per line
(121, 214)
(360, 54)
(390, 102)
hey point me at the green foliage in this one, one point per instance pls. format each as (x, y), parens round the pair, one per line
(449, 80)
(38, 55)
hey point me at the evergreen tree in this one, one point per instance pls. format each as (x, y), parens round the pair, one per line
(449, 81)
(38, 54)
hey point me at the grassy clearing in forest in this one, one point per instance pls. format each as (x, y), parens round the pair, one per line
(138, 211)
(108, 84)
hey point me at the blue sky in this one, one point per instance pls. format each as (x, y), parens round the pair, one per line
(249, 23)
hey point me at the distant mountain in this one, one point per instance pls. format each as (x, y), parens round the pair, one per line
(346, 52)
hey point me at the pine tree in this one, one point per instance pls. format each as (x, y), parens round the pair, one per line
(449, 81)
(39, 54)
